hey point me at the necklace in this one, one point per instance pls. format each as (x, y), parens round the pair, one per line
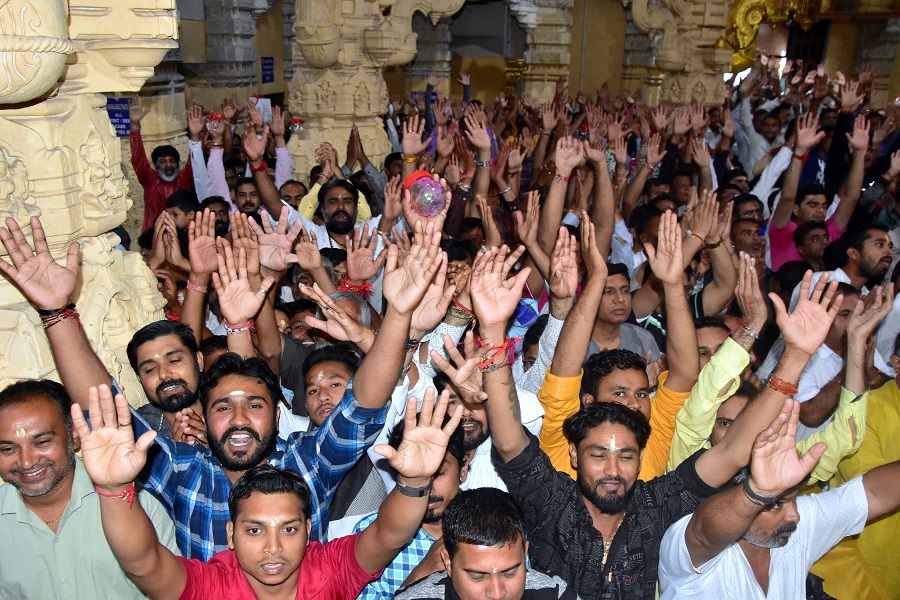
(51, 521)
(607, 544)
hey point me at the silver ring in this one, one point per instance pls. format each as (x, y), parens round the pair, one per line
(262, 290)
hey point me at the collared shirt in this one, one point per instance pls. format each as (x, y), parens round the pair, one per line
(76, 561)
(395, 573)
(190, 483)
(538, 586)
(155, 189)
(564, 542)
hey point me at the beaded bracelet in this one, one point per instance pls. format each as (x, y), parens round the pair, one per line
(196, 288)
(360, 290)
(238, 329)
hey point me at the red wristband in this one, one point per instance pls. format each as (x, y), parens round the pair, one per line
(128, 495)
(801, 157)
(262, 167)
(783, 387)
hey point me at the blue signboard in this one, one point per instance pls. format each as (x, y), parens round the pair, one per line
(267, 65)
(117, 109)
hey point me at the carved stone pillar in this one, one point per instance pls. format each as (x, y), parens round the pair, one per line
(231, 56)
(288, 12)
(689, 52)
(432, 53)
(547, 25)
(341, 47)
(59, 159)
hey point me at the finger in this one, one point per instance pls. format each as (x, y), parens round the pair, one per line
(78, 422)
(440, 409)
(453, 423)
(107, 407)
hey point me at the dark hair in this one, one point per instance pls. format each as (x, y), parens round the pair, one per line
(184, 200)
(337, 183)
(805, 228)
(616, 269)
(745, 197)
(458, 249)
(791, 273)
(233, 165)
(470, 224)
(341, 354)
(315, 172)
(268, 480)
(391, 158)
(244, 181)
(846, 289)
(710, 321)
(657, 199)
(534, 332)
(334, 256)
(166, 150)
(251, 368)
(22, 391)
(214, 343)
(158, 329)
(652, 183)
(483, 517)
(456, 446)
(598, 366)
(145, 240)
(210, 200)
(640, 217)
(578, 426)
(813, 189)
(731, 174)
(836, 256)
(746, 390)
(293, 182)
(299, 306)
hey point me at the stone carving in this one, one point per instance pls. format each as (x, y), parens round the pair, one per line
(16, 200)
(747, 15)
(33, 46)
(547, 25)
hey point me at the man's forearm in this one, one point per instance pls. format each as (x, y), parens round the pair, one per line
(576, 333)
(79, 366)
(268, 193)
(719, 522)
(684, 358)
(503, 412)
(815, 411)
(379, 371)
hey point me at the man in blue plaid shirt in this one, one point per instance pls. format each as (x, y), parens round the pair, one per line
(422, 556)
(192, 482)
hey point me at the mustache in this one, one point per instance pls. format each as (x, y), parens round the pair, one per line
(231, 431)
(620, 480)
(340, 212)
(469, 421)
(169, 382)
(435, 499)
(786, 528)
(36, 468)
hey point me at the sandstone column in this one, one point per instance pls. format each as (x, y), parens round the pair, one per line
(340, 48)
(547, 24)
(59, 159)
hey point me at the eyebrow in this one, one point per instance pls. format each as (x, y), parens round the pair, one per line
(35, 436)
(264, 522)
(507, 570)
(627, 449)
(166, 355)
(229, 398)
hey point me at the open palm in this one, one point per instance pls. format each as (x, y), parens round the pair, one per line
(275, 246)
(238, 301)
(494, 295)
(202, 244)
(406, 284)
(45, 283)
(806, 327)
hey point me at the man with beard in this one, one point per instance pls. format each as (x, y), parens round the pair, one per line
(759, 536)
(49, 511)
(164, 176)
(246, 197)
(193, 481)
(219, 208)
(422, 556)
(601, 534)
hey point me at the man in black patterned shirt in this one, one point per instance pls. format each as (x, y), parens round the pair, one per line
(602, 534)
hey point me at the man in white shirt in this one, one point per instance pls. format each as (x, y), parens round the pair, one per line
(758, 540)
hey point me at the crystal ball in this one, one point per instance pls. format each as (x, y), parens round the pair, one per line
(427, 197)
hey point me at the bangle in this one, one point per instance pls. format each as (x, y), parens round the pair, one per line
(562, 178)
(216, 145)
(482, 163)
(755, 498)
(464, 186)
(419, 492)
(196, 288)
(49, 318)
(238, 329)
(412, 344)
(128, 495)
(716, 245)
(262, 167)
(782, 387)
(547, 133)
(360, 290)
(801, 157)
(409, 159)
(750, 332)
(171, 315)
(691, 234)
(507, 190)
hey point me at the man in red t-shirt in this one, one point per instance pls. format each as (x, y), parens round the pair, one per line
(162, 178)
(271, 555)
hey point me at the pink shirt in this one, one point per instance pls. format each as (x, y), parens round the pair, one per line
(781, 241)
(328, 572)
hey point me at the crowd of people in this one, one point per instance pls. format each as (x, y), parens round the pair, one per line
(623, 352)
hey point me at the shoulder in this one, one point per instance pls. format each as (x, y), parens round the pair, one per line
(552, 586)
(433, 587)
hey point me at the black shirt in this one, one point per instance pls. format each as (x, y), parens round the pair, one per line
(564, 542)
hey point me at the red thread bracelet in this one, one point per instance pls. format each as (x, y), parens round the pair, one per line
(262, 167)
(128, 495)
(802, 157)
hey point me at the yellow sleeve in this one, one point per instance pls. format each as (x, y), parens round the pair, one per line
(560, 398)
(694, 422)
(310, 203)
(843, 435)
(870, 453)
(663, 408)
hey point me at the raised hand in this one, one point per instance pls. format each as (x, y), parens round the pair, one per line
(136, 110)
(464, 78)
(393, 200)
(362, 264)
(655, 151)
(405, 285)
(494, 294)
(424, 444)
(869, 313)
(463, 371)
(775, 466)
(196, 121)
(569, 154)
(413, 216)
(202, 244)
(477, 134)
(411, 139)
(859, 139)
(254, 147)
(492, 236)
(433, 307)
(243, 237)
(238, 301)
(41, 280)
(682, 121)
(189, 428)
(256, 118)
(666, 259)
(338, 323)
(527, 221)
(564, 266)
(275, 246)
(444, 143)
(590, 251)
(230, 108)
(807, 137)
(277, 126)
(850, 98)
(805, 328)
(703, 213)
(306, 249)
(749, 297)
(111, 456)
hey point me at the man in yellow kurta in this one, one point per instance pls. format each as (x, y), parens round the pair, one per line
(620, 375)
